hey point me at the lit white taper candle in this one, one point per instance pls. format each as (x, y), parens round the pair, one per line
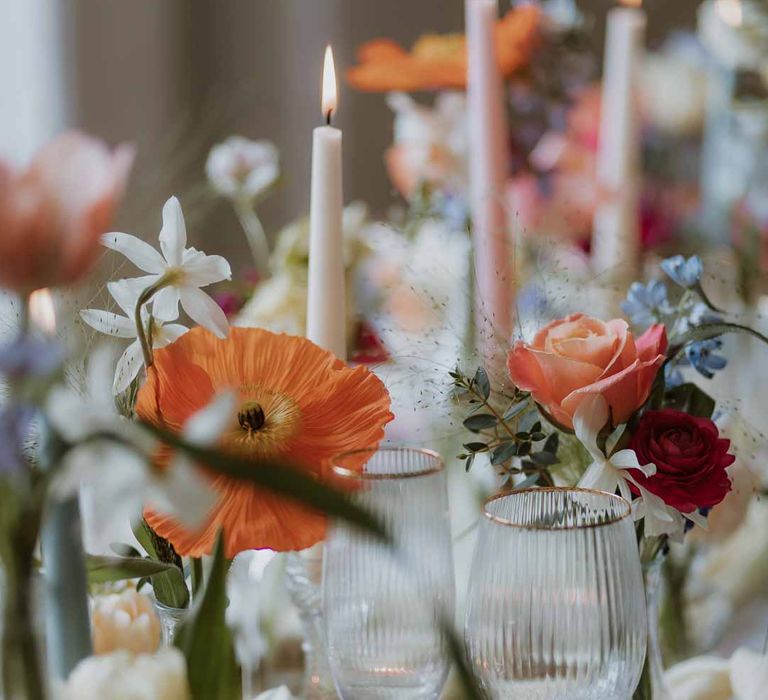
(487, 124)
(326, 314)
(616, 232)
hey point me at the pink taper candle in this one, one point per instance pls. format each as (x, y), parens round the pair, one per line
(616, 235)
(493, 244)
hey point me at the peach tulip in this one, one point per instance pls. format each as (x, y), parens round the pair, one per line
(53, 214)
(579, 356)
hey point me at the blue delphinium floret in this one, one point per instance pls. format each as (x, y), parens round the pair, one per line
(703, 357)
(683, 271)
(646, 303)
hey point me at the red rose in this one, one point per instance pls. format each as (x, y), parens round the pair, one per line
(690, 458)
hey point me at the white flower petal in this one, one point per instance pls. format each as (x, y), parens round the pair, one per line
(168, 334)
(128, 367)
(173, 235)
(588, 420)
(108, 323)
(126, 292)
(206, 426)
(183, 491)
(165, 306)
(697, 519)
(204, 311)
(201, 270)
(140, 253)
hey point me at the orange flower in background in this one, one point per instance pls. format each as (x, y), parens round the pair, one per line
(296, 402)
(440, 61)
(52, 214)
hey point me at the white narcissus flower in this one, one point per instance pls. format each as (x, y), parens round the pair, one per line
(125, 620)
(125, 676)
(118, 326)
(242, 169)
(113, 455)
(612, 473)
(185, 270)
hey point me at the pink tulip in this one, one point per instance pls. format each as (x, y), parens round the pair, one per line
(53, 214)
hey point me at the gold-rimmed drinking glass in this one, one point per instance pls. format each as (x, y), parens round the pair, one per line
(556, 604)
(382, 604)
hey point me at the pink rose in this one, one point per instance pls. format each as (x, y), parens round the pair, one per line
(577, 356)
(52, 214)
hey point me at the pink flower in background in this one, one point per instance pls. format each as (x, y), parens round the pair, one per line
(579, 356)
(53, 214)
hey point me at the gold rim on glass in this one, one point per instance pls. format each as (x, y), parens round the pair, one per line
(623, 502)
(346, 473)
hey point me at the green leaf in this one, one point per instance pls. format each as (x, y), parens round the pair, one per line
(530, 481)
(106, 569)
(169, 587)
(712, 330)
(503, 453)
(515, 410)
(482, 383)
(206, 641)
(470, 461)
(476, 446)
(689, 398)
(278, 477)
(552, 444)
(480, 421)
(544, 459)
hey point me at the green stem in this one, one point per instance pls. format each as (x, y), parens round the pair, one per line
(145, 333)
(197, 577)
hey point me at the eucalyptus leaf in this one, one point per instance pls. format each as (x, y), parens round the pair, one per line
(552, 444)
(529, 482)
(106, 569)
(515, 410)
(503, 453)
(206, 641)
(544, 459)
(480, 421)
(482, 383)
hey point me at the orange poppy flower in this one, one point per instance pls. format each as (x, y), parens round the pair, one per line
(440, 61)
(296, 401)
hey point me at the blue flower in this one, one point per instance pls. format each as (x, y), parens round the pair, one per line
(29, 356)
(682, 271)
(702, 357)
(645, 304)
(672, 375)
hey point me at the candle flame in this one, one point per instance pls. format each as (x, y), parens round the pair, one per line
(632, 3)
(329, 100)
(41, 310)
(731, 12)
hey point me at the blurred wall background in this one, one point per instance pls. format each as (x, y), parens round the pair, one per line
(175, 76)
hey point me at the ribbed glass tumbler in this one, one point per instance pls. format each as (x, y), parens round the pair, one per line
(383, 605)
(556, 604)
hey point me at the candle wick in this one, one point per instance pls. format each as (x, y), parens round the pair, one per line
(328, 117)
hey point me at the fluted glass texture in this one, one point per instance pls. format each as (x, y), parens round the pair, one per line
(382, 605)
(556, 604)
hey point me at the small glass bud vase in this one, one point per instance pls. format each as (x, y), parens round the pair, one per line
(170, 619)
(652, 685)
(304, 573)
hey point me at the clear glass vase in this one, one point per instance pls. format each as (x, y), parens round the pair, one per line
(170, 619)
(304, 573)
(652, 685)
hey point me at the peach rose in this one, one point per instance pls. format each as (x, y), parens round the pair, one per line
(577, 356)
